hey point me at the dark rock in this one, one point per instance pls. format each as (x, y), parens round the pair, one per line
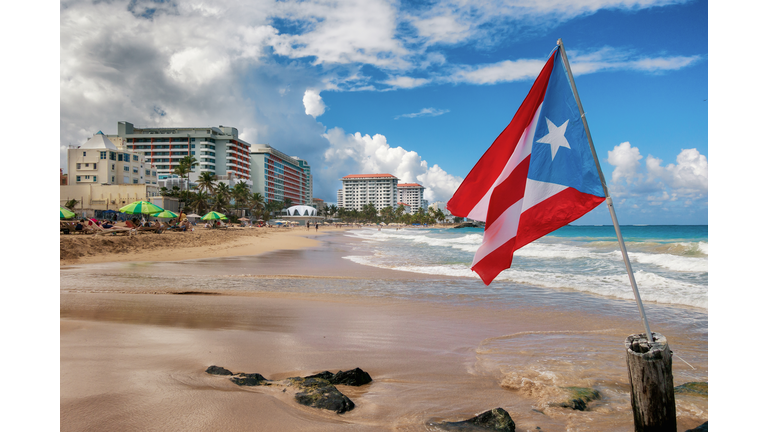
(467, 225)
(698, 388)
(353, 377)
(250, 380)
(496, 419)
(579, 398)
(320, 393)
(701, 428)
(323, 375)
(216, 370)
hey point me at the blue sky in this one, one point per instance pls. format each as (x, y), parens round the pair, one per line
(415, 89)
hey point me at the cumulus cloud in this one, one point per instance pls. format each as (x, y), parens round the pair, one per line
(626, 159)
(313, 103)
(425, 112)
(685, 182)
(364, 154)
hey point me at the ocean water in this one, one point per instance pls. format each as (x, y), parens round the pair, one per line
(670, 262)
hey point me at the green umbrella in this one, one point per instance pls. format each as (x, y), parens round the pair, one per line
(141, 207)
(214, 215)
(64, 213)
(165, 214)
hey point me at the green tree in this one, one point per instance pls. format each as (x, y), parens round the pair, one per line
(71, 204)
(387, 214)
(207, 182)
(333, 210)
(199, 202)
(287, 202)
(240, 193)
(256, 203)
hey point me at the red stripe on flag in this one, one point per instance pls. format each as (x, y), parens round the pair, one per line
(508, 192)
(490, 166)
(553, 213)
(536, 222)
(495, 262)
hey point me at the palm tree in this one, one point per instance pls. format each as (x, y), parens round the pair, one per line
(240, 193)
(71, 204)
(207, 182)
(256, 203)
(199, 202)
(333, 210)
(220, 202)
(288, 202)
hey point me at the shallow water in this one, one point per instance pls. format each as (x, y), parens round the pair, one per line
(439, 346)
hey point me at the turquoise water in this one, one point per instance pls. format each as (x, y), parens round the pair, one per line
(670, 262)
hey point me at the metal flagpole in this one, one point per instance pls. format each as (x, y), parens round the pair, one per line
(608, 199)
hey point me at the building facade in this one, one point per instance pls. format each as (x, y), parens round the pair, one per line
(278, 176)
(413, 195)
(361, 189)
(218, 150)
(99, 161)
(307, 178)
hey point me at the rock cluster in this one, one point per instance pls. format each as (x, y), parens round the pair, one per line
(497, 420)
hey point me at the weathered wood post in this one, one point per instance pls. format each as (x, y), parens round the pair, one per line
(650, 380)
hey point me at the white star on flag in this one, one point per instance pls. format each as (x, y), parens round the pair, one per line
(556, 137)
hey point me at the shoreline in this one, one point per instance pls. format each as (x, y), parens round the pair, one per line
(76, 249)
(136, 338)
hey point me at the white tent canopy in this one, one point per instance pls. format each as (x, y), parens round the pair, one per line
(301, 210)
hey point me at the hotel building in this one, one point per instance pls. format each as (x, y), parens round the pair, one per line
(413, 195)
(218, 150)
(278, 176)
(361, 189)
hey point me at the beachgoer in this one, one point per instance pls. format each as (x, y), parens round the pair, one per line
(317, 226)
(307, 225)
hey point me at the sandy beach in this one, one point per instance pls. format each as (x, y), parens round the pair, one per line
(139, 327)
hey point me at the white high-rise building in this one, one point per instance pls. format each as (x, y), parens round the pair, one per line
(361, 189)
(413, 195)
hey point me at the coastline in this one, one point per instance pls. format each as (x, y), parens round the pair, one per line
(125, 322)
(176, 246)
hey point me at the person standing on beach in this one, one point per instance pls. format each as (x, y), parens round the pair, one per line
(317, 226)
(307, 225)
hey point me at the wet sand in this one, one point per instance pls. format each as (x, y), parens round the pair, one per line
(133, 356)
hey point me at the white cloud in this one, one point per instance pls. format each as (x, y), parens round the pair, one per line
(425, 112)
(626, 159)
(406, 82)
(362, 154)
(313, 103)
(690, 174)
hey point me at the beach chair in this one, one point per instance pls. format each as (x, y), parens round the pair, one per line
(98, 230)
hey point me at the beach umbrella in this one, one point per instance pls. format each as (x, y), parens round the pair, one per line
(243, 219)
(193, 215)
(141, 207)
(165, 214)
(65, 214)
(214, 215)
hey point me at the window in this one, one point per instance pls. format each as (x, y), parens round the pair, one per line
(113, 167)
(154, 173)
(136, 158)
(83, 153)
(94, 179)
(111, 156)
(127, 157)
(125, 168)
(135, 170)
(87, 177)
(120, 157)
(135, 180)
(78, 166)
(113, 179)
(78, 178)
(102, 155)
(146, 172)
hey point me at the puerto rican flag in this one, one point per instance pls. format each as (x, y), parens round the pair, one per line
(538, 175)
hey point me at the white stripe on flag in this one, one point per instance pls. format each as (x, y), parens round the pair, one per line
(536, 192)
(503, 229)
(522, 150)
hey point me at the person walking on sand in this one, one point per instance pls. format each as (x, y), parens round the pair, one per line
(317, 226)
(307, 225)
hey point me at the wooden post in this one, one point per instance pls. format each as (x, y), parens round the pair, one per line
(650, 381)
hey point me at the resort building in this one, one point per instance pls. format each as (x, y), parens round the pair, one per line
(307, 179)
(278, 176)
(361, 189)
(218, 150)
(340, 198)
(99, 161)
(413, 195)
(440, 205)
(103, 177)
(406, 207)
